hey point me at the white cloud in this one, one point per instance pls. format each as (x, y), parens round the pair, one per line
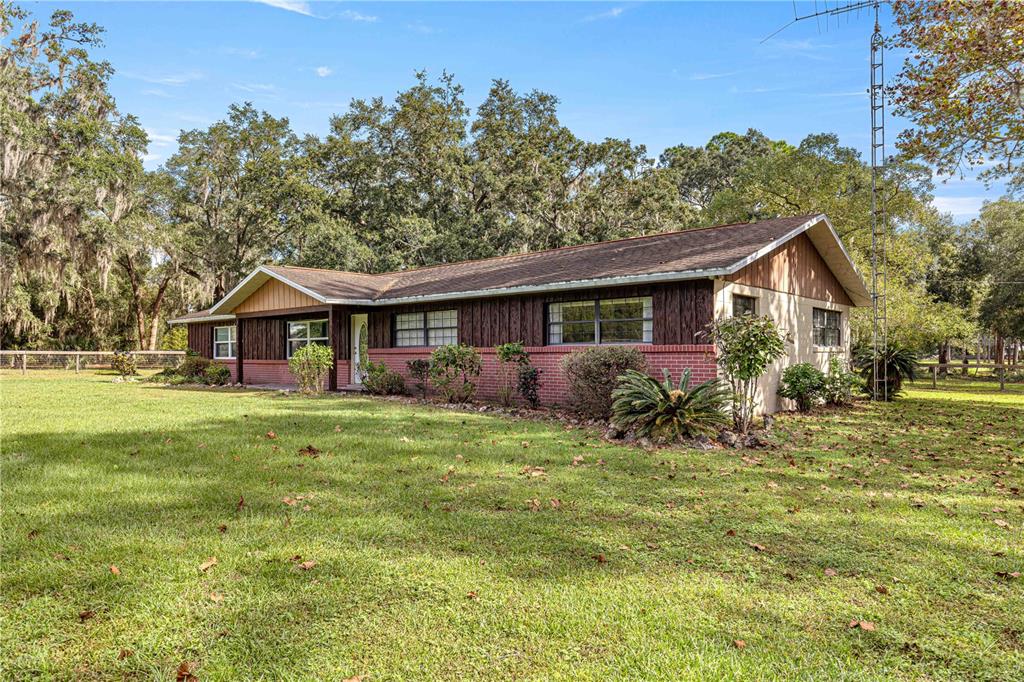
(156, 92)
(613, 13)
(296, 6)
(255, 87)
(353, 15)
(711, 76)
(959, 206)
(158, 140)
(324, 71)
(240, 52)
(420, 27)
(172, 79)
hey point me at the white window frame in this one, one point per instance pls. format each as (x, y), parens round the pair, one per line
(430, 323)
(646, 322)
(231, 343)
(839, 327)
(326, 340)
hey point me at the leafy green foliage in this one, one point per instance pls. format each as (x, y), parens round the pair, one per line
(419, 370)
(511, 357)
(803, 383)
(124, 363)
(193, 366)
(839, 383)
(593, 373)
(310, 366)
(745, 347)
(528, 384)
(896, 365)
(668, 410)
(452, 370)
(217, 374)
(176, 338)
(382, 380)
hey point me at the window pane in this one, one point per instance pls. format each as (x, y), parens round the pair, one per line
(318, 329)
(297, 330)
(555, 333)
(223, 334)
(577, 332)
(616, 331)
(443, 337)
(442, 318)
(295, 345)
(409, 321)
(743, 305)
(409, 337)
(622, 308)
(223, 350)
(578, 311)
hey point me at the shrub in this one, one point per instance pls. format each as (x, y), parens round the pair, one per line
(217, 374)
(176, 338)
(898, 364)
(310, 366)
(652, 408)
(592, 375)
(382, 380)
(745, 346)
(511, 356)
(839, 383)
(451, 371)
(803, 383)
(419, 370)
(193, 366)
(528, 384)
(124, 363)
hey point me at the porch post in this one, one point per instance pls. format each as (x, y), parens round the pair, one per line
(334, 338)
(239, 350)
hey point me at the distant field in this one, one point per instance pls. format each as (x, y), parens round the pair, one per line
(416, 543)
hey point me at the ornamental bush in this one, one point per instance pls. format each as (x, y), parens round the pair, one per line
(511, 357)
(310, 366)
(452, 369)
(124, 363)
(382, 380)
(592, 374)
(662, 409)
(193, 366)
(419, 370)
(839, 383)
(217, 374)
(803, 383)
(528, 384)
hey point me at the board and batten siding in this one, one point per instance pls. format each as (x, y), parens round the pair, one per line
(797, 268)
(681, 311)
(275, 295)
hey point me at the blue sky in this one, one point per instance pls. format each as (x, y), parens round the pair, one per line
(657, 73)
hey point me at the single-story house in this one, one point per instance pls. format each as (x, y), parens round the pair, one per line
(656, 293)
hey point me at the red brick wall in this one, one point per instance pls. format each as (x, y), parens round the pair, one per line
(275, 372)
(232, 367)
(700, 359)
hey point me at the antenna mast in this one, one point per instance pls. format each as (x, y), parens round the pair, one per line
(879, 216)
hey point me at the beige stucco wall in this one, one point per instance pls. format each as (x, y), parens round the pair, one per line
(793, 314)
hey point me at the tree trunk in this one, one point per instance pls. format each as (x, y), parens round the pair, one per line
(943, 357)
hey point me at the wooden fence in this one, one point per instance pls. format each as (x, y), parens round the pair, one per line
(83, 359)
(958, 368)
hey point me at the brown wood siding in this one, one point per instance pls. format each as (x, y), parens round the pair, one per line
(681, 311)
(263, 338)
(275, 295)
(796, 267)
(200, 337)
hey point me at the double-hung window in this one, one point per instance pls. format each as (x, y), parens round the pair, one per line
(306, 332)
(614, 320)
(431, 328)
(827, 330)
(743, 305)
(224, 343)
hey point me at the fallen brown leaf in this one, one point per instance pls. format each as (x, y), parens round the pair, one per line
(216, 597)
(756, 547)
(241, 503)
(472, 595)
(271, 435)
(355, 678)
(600, 558)
(184, 672)
(1008, 575)
(730, 533)
(555, 503)
(115, 570)
(831, 572)
(309, 451)
(223, 528)
(86, 615)
(881, 589)
(124, 653)
(208, 564)
(306, 565)
(739, 644)
(862, 624)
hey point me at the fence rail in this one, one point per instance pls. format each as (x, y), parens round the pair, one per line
(83, 359)
(998, 370)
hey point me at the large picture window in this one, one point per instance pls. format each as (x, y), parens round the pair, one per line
(306, 332)
(432, 328)
(827, 331)
(224, 343)
(614, 320)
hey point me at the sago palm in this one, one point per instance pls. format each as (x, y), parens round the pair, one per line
(649, 407)
(896, 365)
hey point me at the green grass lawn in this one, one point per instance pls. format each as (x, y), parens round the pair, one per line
(442, 550)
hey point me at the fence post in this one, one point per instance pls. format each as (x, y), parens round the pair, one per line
(78, 363)
(1002, 378)
(24, 363)
(935, 371)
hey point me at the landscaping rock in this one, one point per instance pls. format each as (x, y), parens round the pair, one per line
(613, 433)
(703, 443)
(728, 439)
(645, 443)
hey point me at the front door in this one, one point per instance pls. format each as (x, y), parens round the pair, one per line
(359, 347)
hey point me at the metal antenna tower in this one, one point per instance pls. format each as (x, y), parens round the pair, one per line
(879, 216)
